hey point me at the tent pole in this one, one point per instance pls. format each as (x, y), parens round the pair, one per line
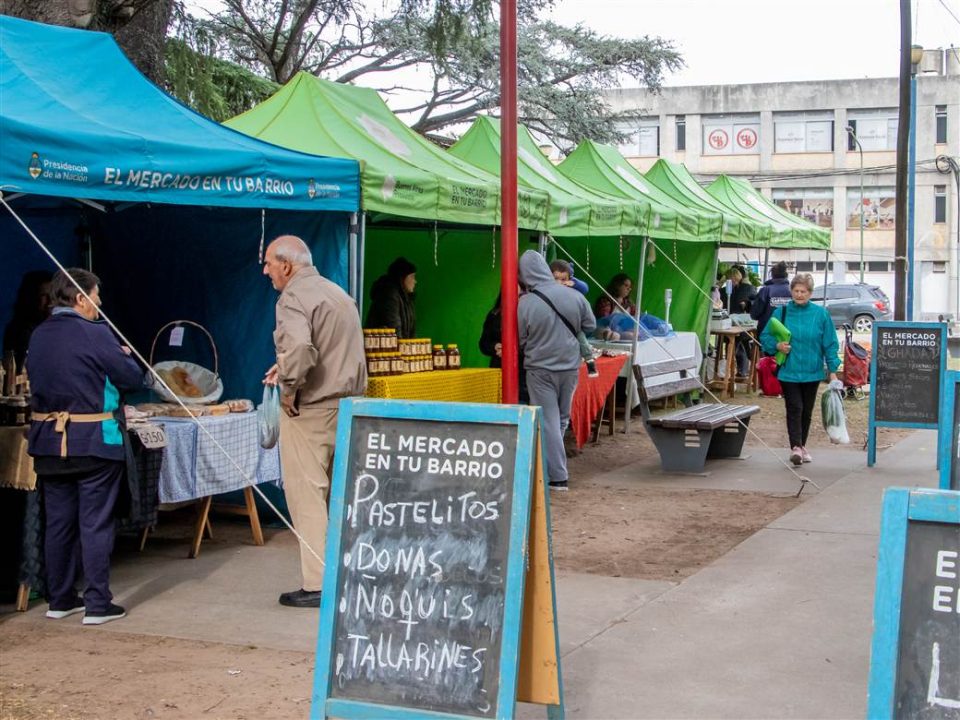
(361, 255)
(631, 376)
(766, 264)
(352, 263)
(542, 244)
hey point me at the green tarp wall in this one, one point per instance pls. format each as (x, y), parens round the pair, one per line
(455, 288)
(689, 310)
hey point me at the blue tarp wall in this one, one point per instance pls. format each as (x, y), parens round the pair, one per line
(161, 263)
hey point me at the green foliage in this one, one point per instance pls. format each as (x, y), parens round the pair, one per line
(215, 88)
(563, 74)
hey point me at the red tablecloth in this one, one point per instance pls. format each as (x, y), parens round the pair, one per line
(591, 393)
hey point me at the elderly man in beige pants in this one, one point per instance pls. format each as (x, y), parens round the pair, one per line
(320, 359)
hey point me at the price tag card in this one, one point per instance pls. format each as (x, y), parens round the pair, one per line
(176, 336)
(153, 437)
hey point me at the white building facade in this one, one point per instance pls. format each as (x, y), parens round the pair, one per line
(790, 140)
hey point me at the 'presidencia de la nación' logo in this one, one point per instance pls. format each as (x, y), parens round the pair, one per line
(34, 168)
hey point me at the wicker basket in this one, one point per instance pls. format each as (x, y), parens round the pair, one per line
(207, 381)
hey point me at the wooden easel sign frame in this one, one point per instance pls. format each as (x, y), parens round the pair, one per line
(949, 440)
(439, 594)
(915, 653)
(905, 346)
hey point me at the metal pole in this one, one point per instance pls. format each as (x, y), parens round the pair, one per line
(508, 201)
(903, 142)
(631, 375)
(911, 191)
(361, 255)
(352, 261)
(860, 149)
(826, 275)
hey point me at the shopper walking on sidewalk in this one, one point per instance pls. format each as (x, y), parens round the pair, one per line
(813, 344)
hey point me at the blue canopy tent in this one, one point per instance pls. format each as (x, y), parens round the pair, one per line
(169, 208)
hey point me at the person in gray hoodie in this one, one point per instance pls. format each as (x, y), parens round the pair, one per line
(549, 317)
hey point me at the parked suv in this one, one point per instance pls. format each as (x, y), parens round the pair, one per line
(855, 304)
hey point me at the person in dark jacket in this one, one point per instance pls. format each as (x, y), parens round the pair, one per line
(77, 370)
(492, 347)
(549, 317)
(775, 293)
(30, 309)
(392, 299)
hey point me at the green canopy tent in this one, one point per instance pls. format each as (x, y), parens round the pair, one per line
(434, 209)
(738, 229)
(687, 236)
(790, 231)
(574, 211)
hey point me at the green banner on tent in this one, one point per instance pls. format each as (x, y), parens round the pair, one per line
(789, 231)
(603, 169)
(574, 210)
(738, 229)
(402, 173)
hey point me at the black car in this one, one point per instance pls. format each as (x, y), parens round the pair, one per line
(855, 304)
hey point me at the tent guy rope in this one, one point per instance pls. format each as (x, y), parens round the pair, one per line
(159, 381)
(802, 478)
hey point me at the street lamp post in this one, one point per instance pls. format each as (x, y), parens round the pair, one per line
(916, 57)
(853, 134)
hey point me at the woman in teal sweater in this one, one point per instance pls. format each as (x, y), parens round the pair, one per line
(813, 344)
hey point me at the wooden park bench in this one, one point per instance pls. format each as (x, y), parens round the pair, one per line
(686, 438)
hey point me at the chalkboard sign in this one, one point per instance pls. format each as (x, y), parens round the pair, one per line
(908, 371)
(906, 374)
(425, 562)
(915, 660)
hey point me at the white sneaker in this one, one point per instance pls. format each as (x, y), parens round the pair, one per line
(796, 455)
(805, 455)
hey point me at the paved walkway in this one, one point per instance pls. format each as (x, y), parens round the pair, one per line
(778, 627)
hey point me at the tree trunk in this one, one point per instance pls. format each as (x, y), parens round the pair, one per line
(139, 26)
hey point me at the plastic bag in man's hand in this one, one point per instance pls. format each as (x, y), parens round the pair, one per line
(834, 419)
(268, 417)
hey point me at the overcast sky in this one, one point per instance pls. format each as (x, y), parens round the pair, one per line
(746, 41)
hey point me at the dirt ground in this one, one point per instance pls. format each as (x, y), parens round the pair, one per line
(67, 672)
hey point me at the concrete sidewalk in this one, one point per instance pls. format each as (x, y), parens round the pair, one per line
(778, 627)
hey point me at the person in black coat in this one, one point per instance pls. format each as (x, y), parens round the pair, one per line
(31, 308)
(392, 299)
(492, 347)
(774, 294)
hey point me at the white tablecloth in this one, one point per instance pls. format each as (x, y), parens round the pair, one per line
(660, 354)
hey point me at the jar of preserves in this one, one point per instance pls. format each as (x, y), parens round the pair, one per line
(453, 357)
(439, 358)
(396, 363)
(367, 340)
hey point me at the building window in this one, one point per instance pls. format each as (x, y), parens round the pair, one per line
(875, 129)
(939, 203)
(941, 124)
(879, 208)
(803, 132)
(804, 267)
(874, 266)
(643, 138)
(731, 134)
(681, 132)
(939, 266)
(812, 204)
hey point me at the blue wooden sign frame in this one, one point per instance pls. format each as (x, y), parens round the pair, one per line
(900, 506)
(873, 423)
(946, 449)
(526, 419)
